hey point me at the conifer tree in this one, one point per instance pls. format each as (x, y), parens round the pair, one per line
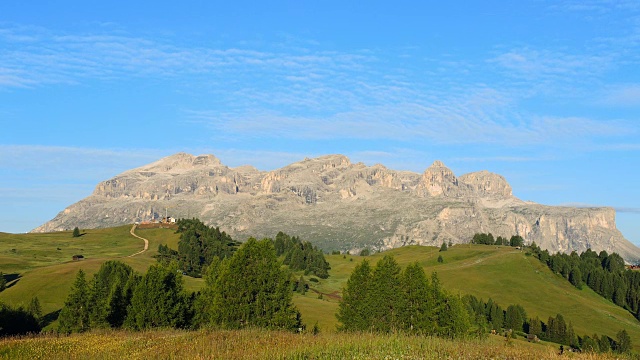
(575, 277)
(535, 327)
(35, 309)
(623, 342)
(74, 316)
(76, 232)
(253, 290)
(301, 286)
(354, 312)
(418, 315)
(513, 318)
(604, 344)
(109, 298)
(385, 301)
(443, 247)
(205, 301)
(453, 318)
(158, 300)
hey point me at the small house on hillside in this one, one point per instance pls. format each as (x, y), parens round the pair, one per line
(77, 257)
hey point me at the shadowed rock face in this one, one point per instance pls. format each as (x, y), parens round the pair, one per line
(340, 205)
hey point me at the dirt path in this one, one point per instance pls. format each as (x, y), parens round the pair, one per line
(146, 242)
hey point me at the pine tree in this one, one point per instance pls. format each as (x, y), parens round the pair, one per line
(535, 327)
(301, 286)
(418, 315)
(443, 247)
(253, 290)
(385, 301)
(76, 232)
(158, 300)
(604, 344)
(354, 312)
(575, 277)
(623, 342)
(440, 259)
(589, 344)
(204, 304)
(453, 318)
(108, 298)
(35, 309)
(513, 318)
(74, 316)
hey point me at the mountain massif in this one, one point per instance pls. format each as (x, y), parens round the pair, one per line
(340, 205)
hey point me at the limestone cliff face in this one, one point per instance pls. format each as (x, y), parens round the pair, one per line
(487, 185)
(341, 205)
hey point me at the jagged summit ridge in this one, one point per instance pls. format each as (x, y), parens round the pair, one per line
(340, 205)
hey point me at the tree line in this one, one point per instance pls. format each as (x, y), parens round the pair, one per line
(200, 244)
(301, 255)
(604, 273)
(488, 239)
(249, 288)
(490, 316)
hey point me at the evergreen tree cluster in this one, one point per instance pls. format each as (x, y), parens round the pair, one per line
(488, 239)
(387, 299)
(249, 288)
(301, 255)
(604, 273)
(20, 321)
(490, 316)
(197, 247)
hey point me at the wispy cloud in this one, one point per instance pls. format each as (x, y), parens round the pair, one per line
(462, 122)
(311, 93)
(34, 57)
(623, 95)
(630, 210)
(619, 209)
(514, 159)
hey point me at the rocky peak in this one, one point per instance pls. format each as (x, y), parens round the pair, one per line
(487, 184)
(438, 180)
(206, 160)
(179, 163)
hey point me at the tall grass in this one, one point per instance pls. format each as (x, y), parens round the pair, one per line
(262, 344)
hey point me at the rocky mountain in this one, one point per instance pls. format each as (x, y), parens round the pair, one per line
(340, 205)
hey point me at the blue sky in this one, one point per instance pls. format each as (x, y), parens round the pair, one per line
(546, 93)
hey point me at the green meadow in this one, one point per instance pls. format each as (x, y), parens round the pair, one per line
(44, 268)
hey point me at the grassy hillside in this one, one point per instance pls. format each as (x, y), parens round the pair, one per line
(502, 273)
(506, 275)
(48, 273)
